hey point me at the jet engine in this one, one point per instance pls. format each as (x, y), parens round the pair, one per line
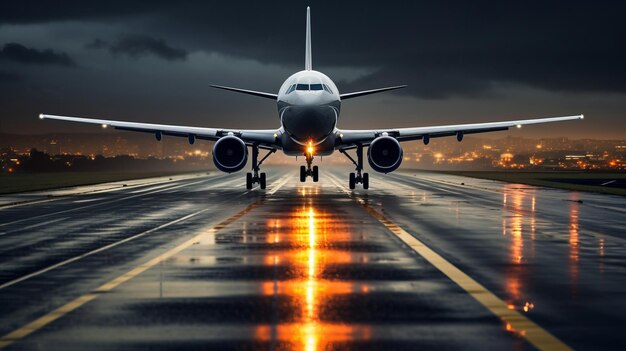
(384, 154)
(230, 154)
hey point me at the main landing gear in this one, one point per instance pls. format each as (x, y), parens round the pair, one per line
(359, 176)
(306, 171)
(255, 176)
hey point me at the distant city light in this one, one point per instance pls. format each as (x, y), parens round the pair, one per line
(475, 153)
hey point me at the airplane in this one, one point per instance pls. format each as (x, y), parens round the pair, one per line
(308, 107)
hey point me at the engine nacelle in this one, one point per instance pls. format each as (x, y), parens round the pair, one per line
(384, 154)
(230, 154)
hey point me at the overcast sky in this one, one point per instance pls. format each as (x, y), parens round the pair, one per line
(466, 61)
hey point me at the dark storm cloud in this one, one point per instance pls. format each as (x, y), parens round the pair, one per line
(140, 45)
(97, 44)
(25, 11)
(8, 77)
(21, 54)
(440, 49)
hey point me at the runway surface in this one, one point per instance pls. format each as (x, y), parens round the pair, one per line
(418, 261)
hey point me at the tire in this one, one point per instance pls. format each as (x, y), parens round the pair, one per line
(366, 181)
(316, 174)
(248, 181)
(352, 181)
(262, 179)
(302, 174)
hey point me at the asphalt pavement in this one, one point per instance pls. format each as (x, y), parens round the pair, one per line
(418, 261)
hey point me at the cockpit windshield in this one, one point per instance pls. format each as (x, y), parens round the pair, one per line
(309, 87)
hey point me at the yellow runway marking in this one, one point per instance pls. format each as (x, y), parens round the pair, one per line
(524, 327)
(41, 322)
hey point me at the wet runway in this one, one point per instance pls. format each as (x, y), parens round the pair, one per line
(418, 261)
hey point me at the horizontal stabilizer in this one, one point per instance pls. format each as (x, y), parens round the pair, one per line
(250, 92)
(367, 92)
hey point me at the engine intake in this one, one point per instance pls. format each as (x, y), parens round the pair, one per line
(384, 154)
(230, 154)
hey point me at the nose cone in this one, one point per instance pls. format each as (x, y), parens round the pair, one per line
(309, 98)
(304, 123)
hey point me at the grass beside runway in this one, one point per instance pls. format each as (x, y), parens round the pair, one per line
(17, 183)
(614, 182)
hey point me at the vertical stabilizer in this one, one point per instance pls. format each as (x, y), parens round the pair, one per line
(308, 60)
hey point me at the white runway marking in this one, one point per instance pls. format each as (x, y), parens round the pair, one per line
(41, 322)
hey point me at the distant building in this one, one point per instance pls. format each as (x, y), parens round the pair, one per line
(506, 157)
(54, 148)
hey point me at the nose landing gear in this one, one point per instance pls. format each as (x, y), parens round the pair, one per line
(255, 176)
(306, 171)
(359, 176)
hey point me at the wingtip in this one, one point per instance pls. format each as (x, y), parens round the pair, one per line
(582, 116)
(42, 116)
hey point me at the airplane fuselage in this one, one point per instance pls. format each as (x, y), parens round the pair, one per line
(308, 107)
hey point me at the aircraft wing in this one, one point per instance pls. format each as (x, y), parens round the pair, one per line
(246, 91)
(265, 137)
(349, 138)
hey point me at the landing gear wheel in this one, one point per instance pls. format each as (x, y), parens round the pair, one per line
(315, 174)
(262, 179)
(248, 180)
(359, 176)
(256, 176)
(302, 174)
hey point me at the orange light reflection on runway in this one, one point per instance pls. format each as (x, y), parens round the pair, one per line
(518, 215)
(311, 235)
(573, 241)
(513, 204)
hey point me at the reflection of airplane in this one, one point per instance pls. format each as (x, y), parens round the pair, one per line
(308, 107)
